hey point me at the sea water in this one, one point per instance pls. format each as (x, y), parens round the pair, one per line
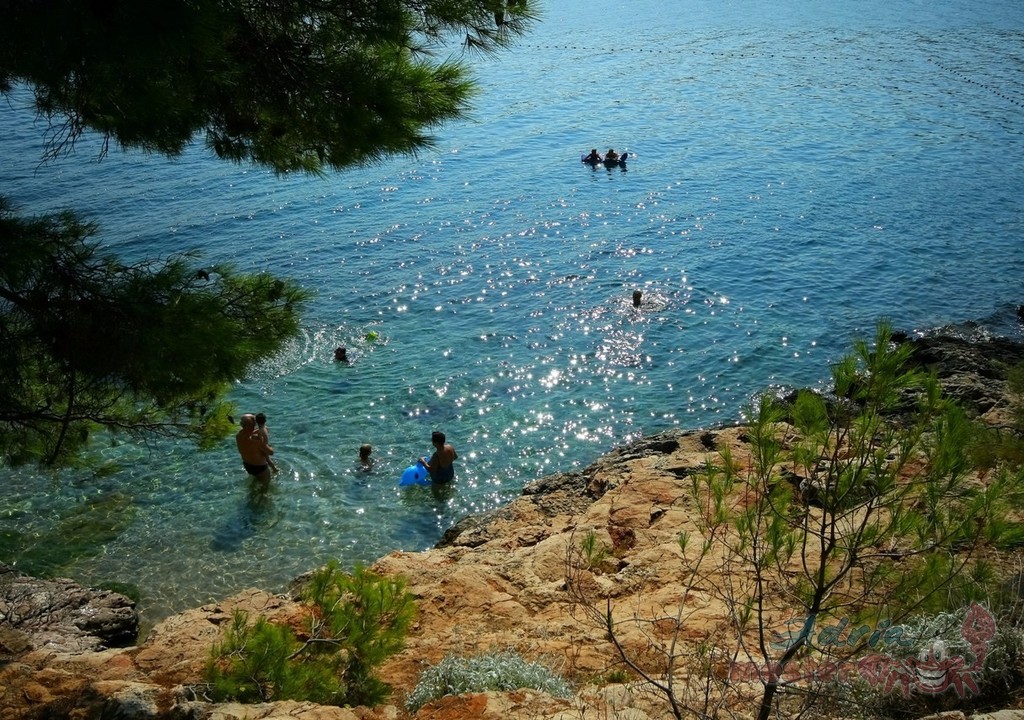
(798, 170)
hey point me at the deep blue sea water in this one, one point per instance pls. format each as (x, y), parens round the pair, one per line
(802, 169)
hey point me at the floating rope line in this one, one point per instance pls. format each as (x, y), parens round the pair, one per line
(655, 51)
(998, 92)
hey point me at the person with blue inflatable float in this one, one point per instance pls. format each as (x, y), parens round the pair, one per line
(439, 469)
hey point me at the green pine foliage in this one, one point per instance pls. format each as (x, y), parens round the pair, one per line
(368, 616)
(88, 342)
(291, 85)
(863, 508)
(258, 662)
(883, 516)
(594, 551)
(357, 621)
(500, 670)
(1005, 445)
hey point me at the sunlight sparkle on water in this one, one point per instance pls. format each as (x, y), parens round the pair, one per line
(552, 379)
(541, 259)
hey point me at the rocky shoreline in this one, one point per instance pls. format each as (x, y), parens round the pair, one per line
(495, 580)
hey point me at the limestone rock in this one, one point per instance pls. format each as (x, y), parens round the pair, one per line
(61, 615)
(972, 371)
(176, 650)
(128, 700)
(496, 581)
(288, 710)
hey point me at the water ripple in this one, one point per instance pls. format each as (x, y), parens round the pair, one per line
(798, 173)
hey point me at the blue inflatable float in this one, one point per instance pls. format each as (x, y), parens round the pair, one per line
(415, 475)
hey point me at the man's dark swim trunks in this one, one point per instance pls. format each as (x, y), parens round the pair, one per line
(444, 475)
(255, 470)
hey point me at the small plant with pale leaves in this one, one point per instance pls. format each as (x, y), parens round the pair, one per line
(502, 670)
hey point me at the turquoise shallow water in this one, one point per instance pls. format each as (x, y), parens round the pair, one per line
(799, 172)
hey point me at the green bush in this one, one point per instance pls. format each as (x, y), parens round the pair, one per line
(357, 621)
(367, 616)
(502, 670)
(258, 663)
(1005, 444)
(864, 504)
(594, 551)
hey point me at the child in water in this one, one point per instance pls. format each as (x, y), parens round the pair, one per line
(263, 432)
(364, 456)
(440, 466)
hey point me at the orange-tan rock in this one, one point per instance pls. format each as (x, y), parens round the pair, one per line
(495, 582)
(498, 583)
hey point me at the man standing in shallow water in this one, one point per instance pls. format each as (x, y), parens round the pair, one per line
(254, 449)
(440, 466)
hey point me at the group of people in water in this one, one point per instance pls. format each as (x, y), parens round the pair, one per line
(253, 439)
(253, 442)
(609, 158)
